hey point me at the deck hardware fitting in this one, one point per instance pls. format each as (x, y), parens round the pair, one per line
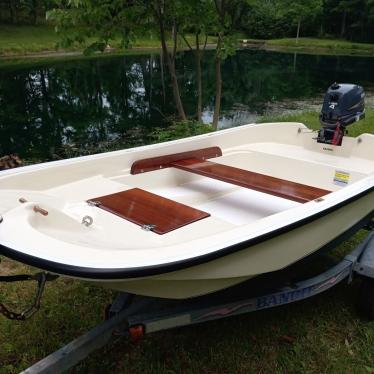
(319, 200)
(148, 227)
(87, 221)
(38, 209)
(359, 140)
(94, 203)
(305, 131)
(1, 218)
(22, 200)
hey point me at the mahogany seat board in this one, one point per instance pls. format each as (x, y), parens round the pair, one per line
(160, 162)
(275, 186)
(145, 208)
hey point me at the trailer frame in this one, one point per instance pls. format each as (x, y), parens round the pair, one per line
(133, 316)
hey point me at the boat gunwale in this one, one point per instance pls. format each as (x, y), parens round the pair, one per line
(93, 273)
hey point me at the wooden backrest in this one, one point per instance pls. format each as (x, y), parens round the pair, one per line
(160, 162)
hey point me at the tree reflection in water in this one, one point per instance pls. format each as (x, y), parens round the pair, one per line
(88, 101)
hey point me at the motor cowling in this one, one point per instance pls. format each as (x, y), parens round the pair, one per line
(343, 105)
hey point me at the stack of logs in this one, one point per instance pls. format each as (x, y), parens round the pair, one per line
(9, 162)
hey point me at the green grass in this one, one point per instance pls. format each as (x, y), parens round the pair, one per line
(25, 40)
(16, 62)
(28, 40)
(321, 335)
(329, 46)
(310, 119)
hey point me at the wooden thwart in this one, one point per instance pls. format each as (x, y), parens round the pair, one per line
(275, 186)
(148, 210)
(160, 162)
(196, 162)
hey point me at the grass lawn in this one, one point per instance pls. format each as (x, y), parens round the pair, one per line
(321, 335)
(26, 40)
(23, 40)
(311, 120)
(329, 46)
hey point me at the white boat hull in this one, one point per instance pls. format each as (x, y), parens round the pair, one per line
(248, 232)
(271, 255)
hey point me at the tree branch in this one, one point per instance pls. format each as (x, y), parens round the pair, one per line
(174, 39)
(205, 41)
(186, 41)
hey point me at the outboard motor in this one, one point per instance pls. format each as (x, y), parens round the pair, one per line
(343, 105)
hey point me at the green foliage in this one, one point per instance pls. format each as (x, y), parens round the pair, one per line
(351, 19)
(300, 10)
(197, 17)
(80, 21)
(179, 130)
(228, 14)
(270, 19)
(311, 120)
(275, 19)
(264, 20)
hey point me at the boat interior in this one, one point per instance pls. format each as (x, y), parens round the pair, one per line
(220, 188)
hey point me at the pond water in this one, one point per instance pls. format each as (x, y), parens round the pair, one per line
(47, 106)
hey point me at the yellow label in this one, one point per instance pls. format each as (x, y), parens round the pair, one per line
(341, 178)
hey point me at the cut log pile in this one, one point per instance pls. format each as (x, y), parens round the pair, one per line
(9, 162)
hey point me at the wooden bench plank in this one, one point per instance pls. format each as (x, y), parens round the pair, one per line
(156, 163)
(275, 186)
(145, 208)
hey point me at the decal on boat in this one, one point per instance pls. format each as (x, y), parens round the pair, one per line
(341, 178)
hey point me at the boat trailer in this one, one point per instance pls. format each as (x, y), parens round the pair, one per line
(132, 316)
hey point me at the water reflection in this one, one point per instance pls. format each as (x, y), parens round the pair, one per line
(90, 101)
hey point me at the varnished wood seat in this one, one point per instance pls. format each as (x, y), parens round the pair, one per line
(274, 186)
(152, 212)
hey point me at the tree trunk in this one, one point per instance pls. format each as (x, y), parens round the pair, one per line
(34, 11)
(298, 31)
(199, 81)
(344, 20)
(13, 11)
(294, 62)
(217, 104)
(321, 31)
(171, 65)
(151, 59)
(162, 76)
